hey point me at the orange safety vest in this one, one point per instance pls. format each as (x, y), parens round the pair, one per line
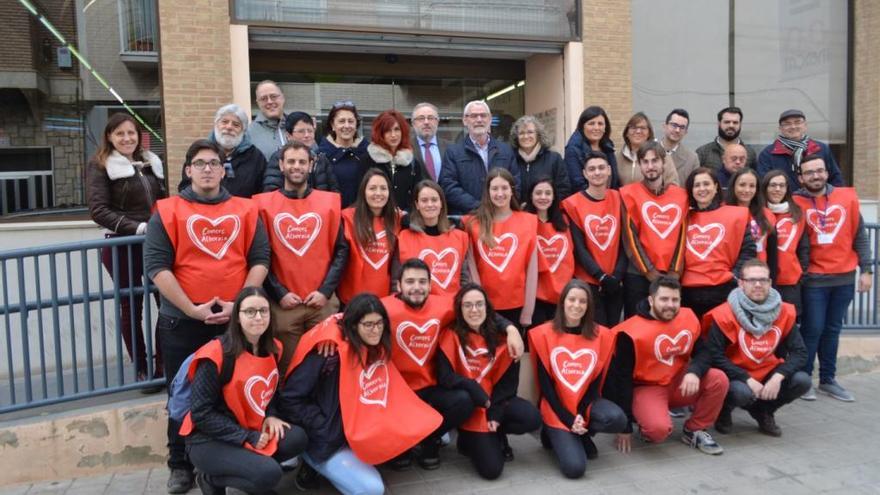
(714, 239)
(555, 262)
(600, 222)
(662, 349)
(832, 223)
(658, 222)
(369, 267)
(444, 254)
(788, 235)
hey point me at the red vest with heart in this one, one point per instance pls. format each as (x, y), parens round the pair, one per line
(760, 235)
(211, 244)
(478, 363)
(502, 269)
(555, 262)
(248, 392)
(755, 355)
(657, 221)
(600, 222)
(832, 222)
(302, 233)
(415, 333)
(369, 267)
(713, 241)
(788, 235)
(445, 254)
(573, 362)
(381, 416)
(662, 349)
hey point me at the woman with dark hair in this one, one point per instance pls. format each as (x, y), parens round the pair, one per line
(123, 183)
(592, 133)
(573, 353)
(429, 235)
(300, 126)
(391, 152)
(534, 156)
(474, 357)
(555, 248)
(637, 132)
(357, 410)
(370, 229)
(233, 437)
(346, 150)
(504, 254)
(743, 190)
(718, 241)
(792, 246)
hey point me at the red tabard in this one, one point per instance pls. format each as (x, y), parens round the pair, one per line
(755, 355)
(248, 393)
(600, 221)
(658, 221)
(445, 254)
(555, 262)
(475, 361)
(502, 269)
(832, 222)
(381, 416)
(760, 235)
(414, 335)
(713, 241)
(662, 349)
(211, 244)
(302, 233)
(573, 362)
(369, 267)
(788, 235)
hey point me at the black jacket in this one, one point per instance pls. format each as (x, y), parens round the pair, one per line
(547, 163)
(247, 165)
(463, 173)
(792, 349)
(321, 177)
(402, 170)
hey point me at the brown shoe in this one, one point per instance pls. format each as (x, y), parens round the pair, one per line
(724, 423)
(766, 422)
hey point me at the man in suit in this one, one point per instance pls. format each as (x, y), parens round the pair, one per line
(429, 148)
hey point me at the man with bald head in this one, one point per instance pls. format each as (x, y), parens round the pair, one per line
(733, 159)
(267, 129)
(729, 127)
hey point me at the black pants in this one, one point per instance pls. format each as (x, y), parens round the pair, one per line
(454, 405)
(178, 338)
(544, 312)
(605, 417)
(740, 395)
(791, 294)
(635, 290)
(703, 299)
(485, 449)
(228, 465)
(607, 307)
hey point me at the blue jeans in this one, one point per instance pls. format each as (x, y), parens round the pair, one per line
(821, 321)
(349, 475)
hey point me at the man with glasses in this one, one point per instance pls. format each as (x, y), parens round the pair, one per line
(300, 126)
(202, 247)
(467, 162)
(266, 130)
(729, 127)
(734, 159)
(754, 340)
(674, 131)
(839, 244)
(792, 144)
(430, 149)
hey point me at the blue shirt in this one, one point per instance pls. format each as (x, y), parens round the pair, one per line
(435, 153)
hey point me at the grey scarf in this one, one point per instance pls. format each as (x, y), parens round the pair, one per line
(755, 318)
(798, 150)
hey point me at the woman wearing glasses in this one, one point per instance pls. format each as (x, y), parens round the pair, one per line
(300, 126)
(535, 158)
(592, 133)
(391, 152)
(232, 436)
(793, 247)
(637, 132)
(346, 150)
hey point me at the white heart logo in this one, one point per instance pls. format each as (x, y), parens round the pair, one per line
(789, 234)
(426, 254)
(700, 242)
(475, 354)
(608, 232)
(545, 245)
(815, 219)
(498, 246)
(374, 390)
(212, 235)
(575, 365)
(297, 232)
(652, 218)
(675, 348)
(763, 346)
(259, 404)
(420, 340)
(377, 265)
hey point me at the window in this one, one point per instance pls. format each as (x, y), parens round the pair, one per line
(137, 20)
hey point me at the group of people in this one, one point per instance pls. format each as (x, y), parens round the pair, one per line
(371, 297)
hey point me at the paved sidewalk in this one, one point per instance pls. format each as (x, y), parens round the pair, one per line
(827, 447)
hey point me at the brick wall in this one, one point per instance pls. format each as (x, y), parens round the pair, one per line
(195, 71)
(607, 38)
(866, 100)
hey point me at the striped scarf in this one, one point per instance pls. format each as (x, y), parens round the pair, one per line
(798, 148)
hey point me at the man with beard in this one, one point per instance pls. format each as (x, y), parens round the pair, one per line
(245, 165)
(417, 318)
(659, 362)
(787, 152)
(729, 127)
(839, 244)
(308, 251)
(300, 126)
(754, 340)
(266, 131)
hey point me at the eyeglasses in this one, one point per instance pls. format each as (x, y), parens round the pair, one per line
(526, 133)
(677, 127)
(467, 306)
(789, 124)
(483, 116)
(270, 97)
(370, 325)
(253, 312)
(756, 281)
(202, 164)
(810, 173)
(343, 103)
(428, 118)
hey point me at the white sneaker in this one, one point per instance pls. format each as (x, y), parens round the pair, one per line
(809, 394)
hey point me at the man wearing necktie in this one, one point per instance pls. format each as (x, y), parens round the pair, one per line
(425, 120)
